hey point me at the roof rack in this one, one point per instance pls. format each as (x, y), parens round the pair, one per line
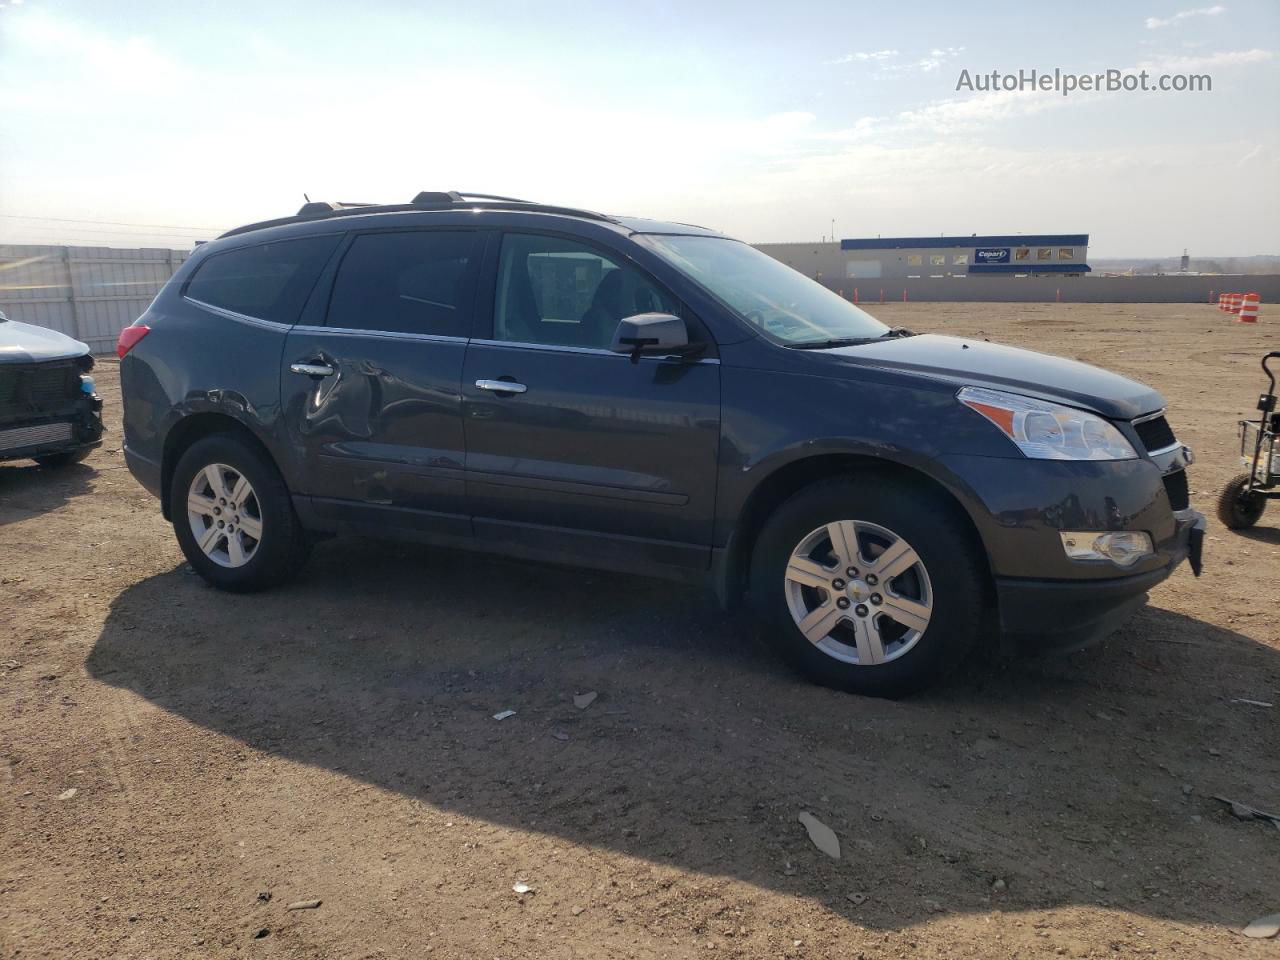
(425, 200)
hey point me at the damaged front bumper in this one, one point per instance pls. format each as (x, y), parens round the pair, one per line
(1060, 615)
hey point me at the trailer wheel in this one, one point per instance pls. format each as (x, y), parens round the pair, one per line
(1238, 508)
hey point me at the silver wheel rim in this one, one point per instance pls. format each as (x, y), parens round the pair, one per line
(225, 516)
(858, 592)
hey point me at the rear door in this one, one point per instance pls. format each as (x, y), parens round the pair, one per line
(587, 455)
(370, 381)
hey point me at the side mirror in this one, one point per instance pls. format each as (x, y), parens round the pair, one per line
(650, 334)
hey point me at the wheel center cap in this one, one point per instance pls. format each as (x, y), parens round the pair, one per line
(858, 591)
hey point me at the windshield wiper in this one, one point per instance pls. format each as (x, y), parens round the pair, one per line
(851, 341)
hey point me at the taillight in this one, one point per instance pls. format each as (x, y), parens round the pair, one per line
(129, 338)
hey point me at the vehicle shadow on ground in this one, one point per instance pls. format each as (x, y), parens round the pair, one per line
(1260, 534)
(1063, 778)
(28, 489)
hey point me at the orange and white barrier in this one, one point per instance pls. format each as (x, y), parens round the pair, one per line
(1233, 305)
(1249, 308)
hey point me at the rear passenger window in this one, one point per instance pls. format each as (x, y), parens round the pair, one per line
(413, 282)
(269, 281)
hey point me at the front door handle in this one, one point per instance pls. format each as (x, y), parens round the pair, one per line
(312, 369)
(501, 386)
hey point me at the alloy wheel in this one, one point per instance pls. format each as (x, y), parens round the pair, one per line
(858, 592)
(225, 515)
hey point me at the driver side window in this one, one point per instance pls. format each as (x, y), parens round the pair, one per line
(559, 292)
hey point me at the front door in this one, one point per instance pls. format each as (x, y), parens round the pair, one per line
(586, 454)
(370, 386)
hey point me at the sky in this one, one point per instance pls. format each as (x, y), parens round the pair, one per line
(136, 123)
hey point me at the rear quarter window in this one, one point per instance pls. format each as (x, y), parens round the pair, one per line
(267, 281)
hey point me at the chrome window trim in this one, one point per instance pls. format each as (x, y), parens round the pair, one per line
(380, 334)
(233, 315)
(589, 351)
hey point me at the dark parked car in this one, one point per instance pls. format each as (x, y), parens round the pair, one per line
(49, 412)
(557, 385)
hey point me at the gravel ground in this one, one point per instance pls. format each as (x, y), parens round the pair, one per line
(178, 766)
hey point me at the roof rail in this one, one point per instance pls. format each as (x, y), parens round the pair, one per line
(425, 200)
(324, 206)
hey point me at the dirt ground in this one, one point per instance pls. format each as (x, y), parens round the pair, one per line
(334, 740)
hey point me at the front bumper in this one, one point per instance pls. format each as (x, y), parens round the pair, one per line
(1059, 615)
(77, 427)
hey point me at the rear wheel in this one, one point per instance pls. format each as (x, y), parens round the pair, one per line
(1238, 509)
(233, 516)
(867, 586)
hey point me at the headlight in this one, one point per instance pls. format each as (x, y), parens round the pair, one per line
(86, 384)
(1047, 431)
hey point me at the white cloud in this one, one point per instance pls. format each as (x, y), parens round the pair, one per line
(937, 57)
(865, 56)
(886, 60)
(93, 58)
(1155, 23)
(1223, 58)
(929, 63)
(981, 110)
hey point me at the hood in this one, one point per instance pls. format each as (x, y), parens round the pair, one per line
(999, 367)
(24, 343)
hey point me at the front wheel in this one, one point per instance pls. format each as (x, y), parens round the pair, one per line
(233, 516)
(868, 586)
(1238, 508)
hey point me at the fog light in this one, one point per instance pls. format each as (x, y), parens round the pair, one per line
(1124, 548)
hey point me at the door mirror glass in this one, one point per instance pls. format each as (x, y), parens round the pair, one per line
(651, 334)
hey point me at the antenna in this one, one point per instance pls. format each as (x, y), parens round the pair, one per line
(306, 198)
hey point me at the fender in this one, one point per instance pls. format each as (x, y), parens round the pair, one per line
(786, 471)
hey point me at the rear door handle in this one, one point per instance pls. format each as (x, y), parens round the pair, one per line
(312, 369)
(501, 386)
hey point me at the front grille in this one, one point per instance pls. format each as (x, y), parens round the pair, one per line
(1175, 487)
(37, 387)
(1155, 434)
(37, 436)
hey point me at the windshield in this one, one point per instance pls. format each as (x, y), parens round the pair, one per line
(784, 304)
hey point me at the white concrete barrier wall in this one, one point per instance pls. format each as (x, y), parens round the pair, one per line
(89, 293)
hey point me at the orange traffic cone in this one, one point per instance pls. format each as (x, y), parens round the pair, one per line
(1249, 309)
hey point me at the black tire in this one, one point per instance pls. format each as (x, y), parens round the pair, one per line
(283, 547)
(1237, 509)
(956, 582)
(64, 459)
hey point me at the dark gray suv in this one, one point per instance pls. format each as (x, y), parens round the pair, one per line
(654, 398)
